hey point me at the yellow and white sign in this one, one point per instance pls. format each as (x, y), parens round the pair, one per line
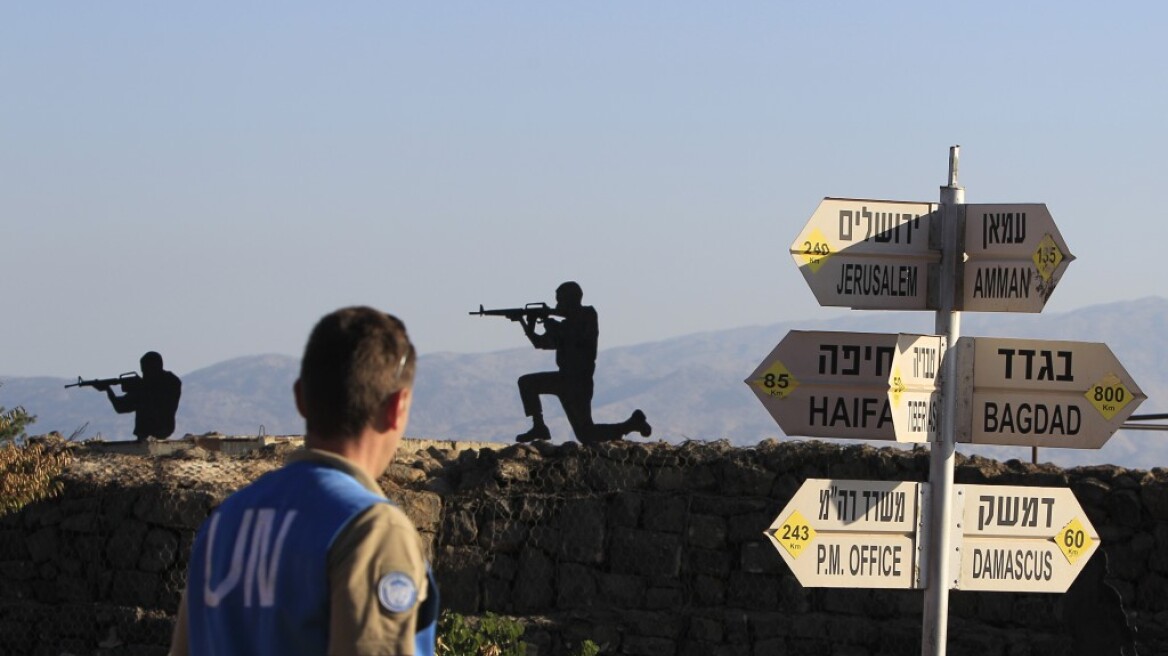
(851, 534)
(1014, 258)
(867, 254)
(841, 384)
(1046, 393)
(1021, 539)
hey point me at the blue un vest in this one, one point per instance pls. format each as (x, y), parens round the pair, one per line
(259, 568)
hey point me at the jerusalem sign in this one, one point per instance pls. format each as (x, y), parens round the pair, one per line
(867, 386)
(852, 534)
(867, 254)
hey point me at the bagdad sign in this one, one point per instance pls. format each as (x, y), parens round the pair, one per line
(867, 254)
(1044, 393)
(852, 534)
(1023, 539)
(1015, 257)
(867, 386)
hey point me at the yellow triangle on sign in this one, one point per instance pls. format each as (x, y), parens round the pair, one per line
(814, 251)
(1073, 540)
(777, 381)
(1109, 396)
(794, 534)
(897, 387)
(1047, 257)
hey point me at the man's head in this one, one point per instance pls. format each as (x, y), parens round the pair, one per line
(569, 295)
(151, 363)
(356, 360)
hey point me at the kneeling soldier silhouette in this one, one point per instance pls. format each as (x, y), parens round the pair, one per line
(573, 337)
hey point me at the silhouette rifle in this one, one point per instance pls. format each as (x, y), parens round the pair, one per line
(105, 383)
(536, 312)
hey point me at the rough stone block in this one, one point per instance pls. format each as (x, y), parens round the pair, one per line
(125, 544)
(761, 558)
(581, 531)
(134, 589)
(44, 545)
(12, 545)
(459, 571)
(159, 550)
(535, 585)
(707, 561)
(648, 646)
(576, 586)
(664, 513)
(706, 531)
(458, 528)
(621, 590)
(647, 553)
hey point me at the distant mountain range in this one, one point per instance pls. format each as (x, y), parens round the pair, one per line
(690, 387)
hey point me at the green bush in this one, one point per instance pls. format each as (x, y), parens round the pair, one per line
(588, 648)
(491, 635)
(12, 424)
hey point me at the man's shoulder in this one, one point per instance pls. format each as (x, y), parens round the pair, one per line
(391, 515)
(327, 485)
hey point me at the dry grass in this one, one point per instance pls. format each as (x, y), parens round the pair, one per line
(31, 473)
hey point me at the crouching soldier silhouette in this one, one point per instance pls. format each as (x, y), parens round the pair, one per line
(153, 398)
(573, 337)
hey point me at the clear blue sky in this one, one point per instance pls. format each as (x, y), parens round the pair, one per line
(207, 179)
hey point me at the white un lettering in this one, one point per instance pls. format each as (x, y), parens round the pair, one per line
(263, 558)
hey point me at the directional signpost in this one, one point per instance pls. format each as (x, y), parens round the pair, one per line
(1029, 539)
(852, 534)
(1046, 393)
(867, 254)
(949, 257)
(1015, 257)
(841, 384)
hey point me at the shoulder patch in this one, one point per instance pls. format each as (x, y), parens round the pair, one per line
(396, 592)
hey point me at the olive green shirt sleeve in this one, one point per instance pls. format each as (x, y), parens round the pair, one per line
(378, 543)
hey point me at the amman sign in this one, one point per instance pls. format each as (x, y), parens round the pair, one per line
(1044, 393)
(867, 386)
(852, 534)
(867, 254)
(1020, 539)
(1015, 257)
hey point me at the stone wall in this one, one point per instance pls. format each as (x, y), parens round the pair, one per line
(643, 548)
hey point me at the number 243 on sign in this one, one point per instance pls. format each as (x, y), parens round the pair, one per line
(794, 534)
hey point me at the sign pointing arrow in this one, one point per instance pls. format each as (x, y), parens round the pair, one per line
(866, 534)
(841, 384)
(1028, 539)
(1015, 257)
(867, 254)
(845, 534)
(1045, 393)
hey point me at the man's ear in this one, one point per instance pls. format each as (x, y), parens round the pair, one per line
(397, 408)
(299, 401)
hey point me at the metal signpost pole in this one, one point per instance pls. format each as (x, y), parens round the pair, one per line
(942, 452)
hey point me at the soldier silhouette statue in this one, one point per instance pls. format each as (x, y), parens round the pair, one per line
(573, 336)
(152, 397)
